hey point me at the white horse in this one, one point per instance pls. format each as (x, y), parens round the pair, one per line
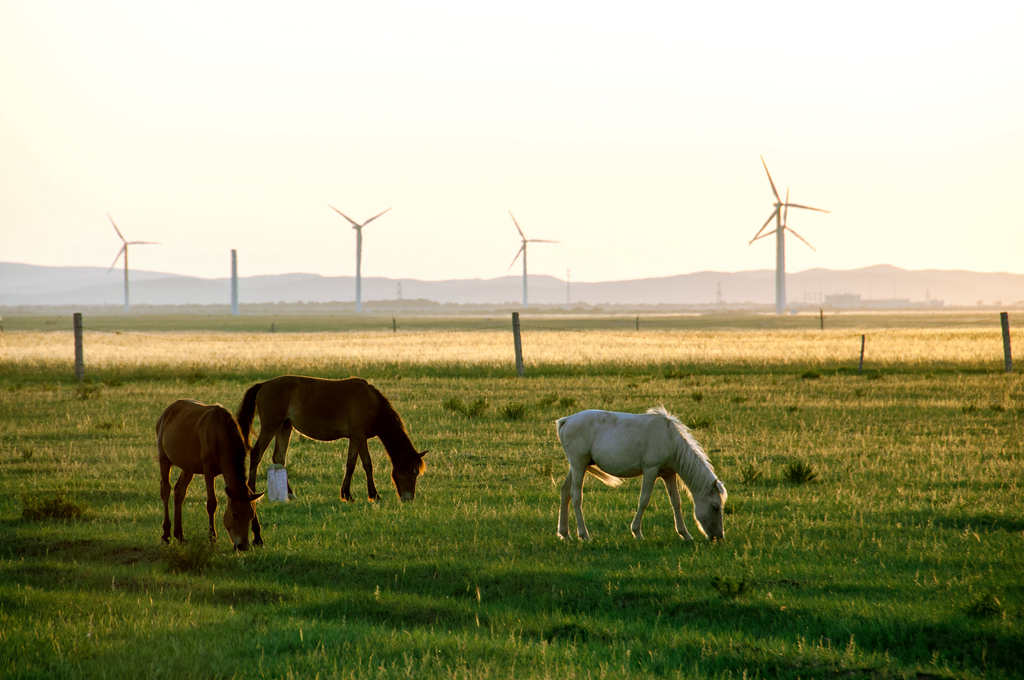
(656, 444)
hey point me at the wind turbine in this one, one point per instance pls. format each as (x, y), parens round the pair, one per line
(359, 253)
(522, 250)
(779, 214)
(124, 249)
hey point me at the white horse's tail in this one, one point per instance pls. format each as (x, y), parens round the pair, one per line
(608, 479)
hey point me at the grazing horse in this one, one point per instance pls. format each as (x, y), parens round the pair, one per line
(656, 444)
(327, 410)
(204, 439)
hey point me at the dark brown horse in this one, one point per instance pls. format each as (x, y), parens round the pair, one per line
(327, 410)
(204, 439)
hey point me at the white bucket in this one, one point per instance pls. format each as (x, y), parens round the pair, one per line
(277, 483)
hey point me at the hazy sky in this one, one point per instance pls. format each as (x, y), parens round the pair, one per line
(628, 132)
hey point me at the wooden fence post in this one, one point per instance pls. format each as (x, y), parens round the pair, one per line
(79, 360)
(638, 323)
(520, 371)
(821, 315)
(860, 368)
(394, 326)
(1004, 319)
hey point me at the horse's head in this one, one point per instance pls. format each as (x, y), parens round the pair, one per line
(709, 509)
(239, 515)
(405, 479)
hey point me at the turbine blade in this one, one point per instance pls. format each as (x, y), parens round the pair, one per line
(517, 225)
(123, 248)
(354, 225)
(802, 239)
(521, 249)
(143, 243)
(115, 228)
(766, 222)
(374, 217)
(785, 211)
(539, 240)
(758, 238)
(806, 207)
(770, 179)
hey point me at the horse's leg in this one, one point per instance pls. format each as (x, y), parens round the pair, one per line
(165, 493)
(576, 492)
(256, 454)
(563, 508)
(650, 475)
(211, 506)
(359, 441)
(281, 439)
(672, 486)
(180, 487)
(350, 468)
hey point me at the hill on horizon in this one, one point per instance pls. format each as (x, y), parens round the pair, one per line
(34, 285)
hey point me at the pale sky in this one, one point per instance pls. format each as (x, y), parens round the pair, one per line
(631, 133)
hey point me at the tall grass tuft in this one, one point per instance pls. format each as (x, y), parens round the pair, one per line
(193, 557)
(986, 606)
(58, 506)
(515, 410)
(800, 473)
(750, 474)
(729, 587)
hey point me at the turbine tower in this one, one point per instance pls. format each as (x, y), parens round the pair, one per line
(124, 249)
(779, 214)
(359, 253)
(522, 249)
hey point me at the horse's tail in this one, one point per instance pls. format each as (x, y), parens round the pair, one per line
(247, 412)
(610, 480)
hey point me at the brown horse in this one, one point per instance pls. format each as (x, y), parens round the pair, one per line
(327, 410)
(204, 439)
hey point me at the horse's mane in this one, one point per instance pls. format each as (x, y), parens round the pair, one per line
(392, 433)
(238, 446)
(695, 468)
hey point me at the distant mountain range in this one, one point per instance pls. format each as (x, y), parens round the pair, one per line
(882, 285)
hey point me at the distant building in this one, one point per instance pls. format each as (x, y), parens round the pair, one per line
(852, 301)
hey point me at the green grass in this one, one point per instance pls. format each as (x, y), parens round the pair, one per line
(905, 556)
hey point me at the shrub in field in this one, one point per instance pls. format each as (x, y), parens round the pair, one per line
(454, 404)
(986, 606)
(515, 410)
(547, 400)
(729, 587)
(810, 374)
(192, 557)
(35, 506)
(697, 396)
(27, 452)
(567, 402)
(701, 424)
(800, 473)
(750, 474)
(969, 408)
(477, 408)
(87, 391)
(739, 399)
(474, 410)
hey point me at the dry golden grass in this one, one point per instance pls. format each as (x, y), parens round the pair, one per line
(318, 351)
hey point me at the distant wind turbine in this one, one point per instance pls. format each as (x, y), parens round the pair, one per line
(359, 253)
(522, 250)
(779, 214)
(124, 249)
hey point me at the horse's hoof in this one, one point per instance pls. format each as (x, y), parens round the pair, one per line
(166, 540)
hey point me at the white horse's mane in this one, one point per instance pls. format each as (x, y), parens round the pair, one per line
(695, 467)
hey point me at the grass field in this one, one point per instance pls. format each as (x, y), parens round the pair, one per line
(903, 557)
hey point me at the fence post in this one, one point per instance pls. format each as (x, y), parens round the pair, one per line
(1004, 319)
(519, 345)
(638, 323)
(860, 368)
(821, 315)
(394, 326)
(79, 361)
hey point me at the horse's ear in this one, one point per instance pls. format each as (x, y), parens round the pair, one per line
(255, 497)
(423, 453)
